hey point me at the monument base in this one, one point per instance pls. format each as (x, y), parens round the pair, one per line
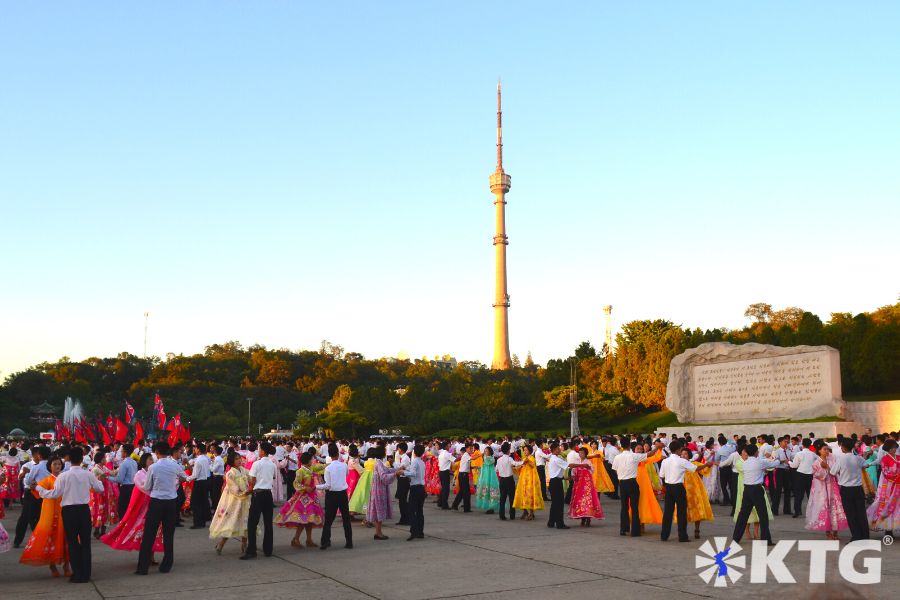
(821, 429)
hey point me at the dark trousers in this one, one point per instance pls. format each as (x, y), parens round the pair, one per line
(507, 494)
(676, 499)
(780, 488)
(802, 485)
(443, 499)
(854, 501)
(334, 502)
(180, 498)
(630, 494)
(542, 476)
(77, 526)
(725, 484)
(416, 510)
(215, 492)
(165, 513)
(557, 501)
(614, 477)
(464, 493)
(124, 498)
(31, 512)
(754, 497)
(734, 482)
(261, 505)
(200, 502)
(402, 496)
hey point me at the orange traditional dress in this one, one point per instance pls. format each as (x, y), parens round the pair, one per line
(47, 545)
(475, 465)
(528, 489)
(602, 482)
(648, 505)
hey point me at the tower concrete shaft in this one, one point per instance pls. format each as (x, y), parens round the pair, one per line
(499, 187)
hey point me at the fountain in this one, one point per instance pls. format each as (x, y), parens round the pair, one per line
(72, 412)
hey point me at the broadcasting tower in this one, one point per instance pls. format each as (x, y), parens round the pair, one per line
(499, 186)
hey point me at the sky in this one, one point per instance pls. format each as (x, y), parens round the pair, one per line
(283, 172)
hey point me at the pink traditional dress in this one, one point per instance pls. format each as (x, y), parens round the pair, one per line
(303, 508)
(432, 476)
(884, 513)
(9, 489)
(129, 533)
(104, 504)
(825, 511)
(585, 503)
(354, 470)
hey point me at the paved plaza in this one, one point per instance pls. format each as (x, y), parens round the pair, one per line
(472, 556)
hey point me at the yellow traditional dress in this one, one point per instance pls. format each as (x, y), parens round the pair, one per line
(476, 464)
(601, 478)
(528, 490)
(698, 508)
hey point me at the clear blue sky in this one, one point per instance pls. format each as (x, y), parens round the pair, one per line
(284, 172)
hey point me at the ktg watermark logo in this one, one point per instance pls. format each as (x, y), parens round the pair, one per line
(723, 564)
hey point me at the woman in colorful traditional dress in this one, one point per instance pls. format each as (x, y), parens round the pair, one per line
(752, 533)
(585, 504)
(47, 544)
(5, 543)
(884, 513)
(103, 504)
(602, 481)
(711, 475)
(9, 489)
(487, 490)
(379, 508)
(359, 501)
(129, 532)
(354, 469)
(698, 506)
(303, 511)
(230, 517)
(432, 473)
(528, 496)
(825, 510)
(648, 505)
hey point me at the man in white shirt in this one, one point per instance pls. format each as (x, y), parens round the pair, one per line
(540, 459)
(262, 480)
(625, 464)
(848, 471)
(754, 494)
(335, 487)
(556, 468)
(401, 461)
(671, 471)
(505, 465)
(803, 463)
(609, 453)
(445, 462)
(216, 477)
(200, 474)
(74, 487)
(465, 471)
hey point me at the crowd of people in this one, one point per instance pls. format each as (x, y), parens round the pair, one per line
(133, 498)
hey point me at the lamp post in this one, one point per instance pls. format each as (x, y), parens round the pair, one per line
(248, 415)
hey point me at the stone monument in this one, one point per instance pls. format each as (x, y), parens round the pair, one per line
(720, 382)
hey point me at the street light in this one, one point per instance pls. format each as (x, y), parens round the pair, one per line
(248, 415)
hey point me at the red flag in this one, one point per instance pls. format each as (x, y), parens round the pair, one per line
(103, 433)
(138, 433)
(174, 428)
(129, 412)
(185, 434)
(121, 430)
(161, 417)
(88, 431)
(110, 424)
(79, 432)
(58, 429)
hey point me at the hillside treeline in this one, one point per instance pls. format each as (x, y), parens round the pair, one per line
(350, 394)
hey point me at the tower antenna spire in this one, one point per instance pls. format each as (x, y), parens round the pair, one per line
(499, 130)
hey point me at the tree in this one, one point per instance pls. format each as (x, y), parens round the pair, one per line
(516, 364)
(585, 350)
(760, 312)
(788, 317)
(529, 362)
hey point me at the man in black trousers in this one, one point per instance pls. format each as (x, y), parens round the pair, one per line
(200, 494)
(671, 471)
(262, 505)
(164, 479)
(31, 506)
(848, 471)
(445, 464)
(505, 465)
(335, 487)
(74, 487)
(780, 478)
(415, 474)
(625, 464)
(556, 468)
(464, 494)
(754, 495)
(803, 463)
(402, 492)
(722, 453)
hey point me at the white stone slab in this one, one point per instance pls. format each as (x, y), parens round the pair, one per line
(726, 383)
